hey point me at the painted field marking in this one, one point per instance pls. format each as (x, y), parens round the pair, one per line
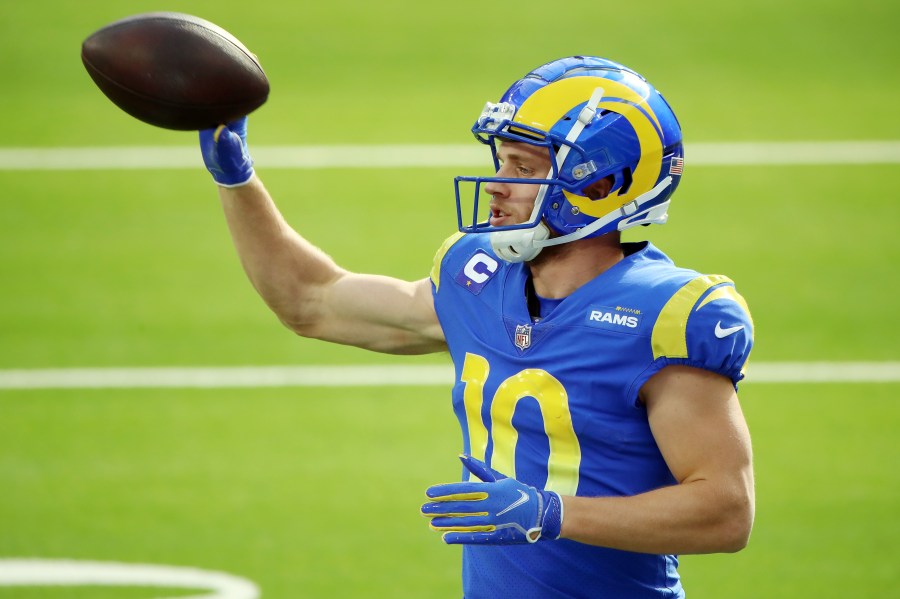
(377, 376)
(61, 572)
(429, 156)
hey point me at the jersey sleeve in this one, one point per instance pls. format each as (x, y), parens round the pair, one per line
(705, 324)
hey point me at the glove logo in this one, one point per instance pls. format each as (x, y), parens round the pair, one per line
(520, 501)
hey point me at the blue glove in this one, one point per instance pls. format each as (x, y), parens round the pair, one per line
(497, 511)
(225, 153)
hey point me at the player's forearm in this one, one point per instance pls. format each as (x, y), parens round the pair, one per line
(287, 271)
(693, 517)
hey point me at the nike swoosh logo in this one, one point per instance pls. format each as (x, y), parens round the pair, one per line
(722, 333)
(516, 503)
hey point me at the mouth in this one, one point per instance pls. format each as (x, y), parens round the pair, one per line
(499, 217)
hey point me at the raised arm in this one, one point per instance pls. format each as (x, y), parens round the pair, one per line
(302, 285)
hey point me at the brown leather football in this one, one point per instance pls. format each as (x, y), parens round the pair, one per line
(175, 71)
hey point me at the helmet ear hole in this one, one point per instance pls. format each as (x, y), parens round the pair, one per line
(626, 181)
(600, 189)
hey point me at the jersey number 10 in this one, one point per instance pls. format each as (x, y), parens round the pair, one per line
(565, 451)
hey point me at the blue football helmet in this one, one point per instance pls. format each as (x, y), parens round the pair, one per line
(596, 119)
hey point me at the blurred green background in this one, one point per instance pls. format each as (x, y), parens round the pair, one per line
(314, 492)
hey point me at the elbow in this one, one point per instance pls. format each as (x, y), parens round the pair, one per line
(300, 305)
(300, 326)
(292, 314)
(736, 539)
(736, 526)
(299, 313)
(726, 521)
(291, 320)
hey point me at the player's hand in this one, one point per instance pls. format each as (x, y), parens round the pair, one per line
(497, 511)
(225, 153)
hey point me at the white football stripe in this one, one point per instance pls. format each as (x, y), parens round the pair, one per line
(227, 377)
(429, 156)
(377, 376)
(61, 572)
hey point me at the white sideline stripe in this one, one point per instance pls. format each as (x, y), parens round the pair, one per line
(429, 156)
(46, 572)
(378, 376)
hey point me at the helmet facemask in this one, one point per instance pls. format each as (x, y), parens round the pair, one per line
(517, 242)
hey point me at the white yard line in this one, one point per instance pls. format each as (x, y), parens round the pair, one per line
(23, 572)
(377, 376)
(429, 156)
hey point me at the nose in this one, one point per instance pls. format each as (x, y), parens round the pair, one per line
(494, 188)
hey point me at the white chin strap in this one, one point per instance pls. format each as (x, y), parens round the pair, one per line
(519, 245)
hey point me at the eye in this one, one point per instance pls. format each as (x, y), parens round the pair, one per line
(524, 171)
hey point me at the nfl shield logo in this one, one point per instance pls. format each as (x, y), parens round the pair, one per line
(523, 336)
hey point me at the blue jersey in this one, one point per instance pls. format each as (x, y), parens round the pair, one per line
(554, 403)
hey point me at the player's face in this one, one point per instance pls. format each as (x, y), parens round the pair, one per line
(512, 204)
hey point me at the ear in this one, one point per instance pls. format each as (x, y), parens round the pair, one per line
(599, 189)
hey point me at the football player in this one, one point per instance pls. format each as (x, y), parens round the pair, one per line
(595, 380)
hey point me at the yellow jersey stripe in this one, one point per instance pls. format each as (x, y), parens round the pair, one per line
(439, 257)
(669, 336)
(726, 292)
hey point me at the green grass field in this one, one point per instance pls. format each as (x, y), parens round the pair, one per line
(314, 492)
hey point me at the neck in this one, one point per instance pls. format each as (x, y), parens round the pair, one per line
(559, 270)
